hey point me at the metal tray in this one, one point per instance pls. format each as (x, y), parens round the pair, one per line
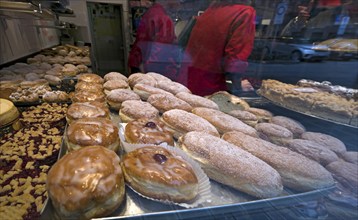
(224, 200)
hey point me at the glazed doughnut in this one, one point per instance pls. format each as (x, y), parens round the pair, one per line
(115, 84)
(117, 96)
(172, 87)
(197, 101)
(135, 109)
(147, 131)
(90, 78)
(144, 91)
(166, 102)
(89, 96)
(88, 87)
(114, 76)
(79, 110)
(86, 184)
(92, 131)
(155, 172)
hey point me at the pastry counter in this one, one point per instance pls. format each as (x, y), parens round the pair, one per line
(243, 128)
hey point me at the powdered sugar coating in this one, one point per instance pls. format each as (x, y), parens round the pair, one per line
(197, 101)
(166, 102)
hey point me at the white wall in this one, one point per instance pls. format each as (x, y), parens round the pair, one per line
(19, 36)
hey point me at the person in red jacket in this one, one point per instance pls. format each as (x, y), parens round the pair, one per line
(152, 49)
(218, 47)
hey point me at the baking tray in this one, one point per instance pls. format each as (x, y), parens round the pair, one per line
(304, 113)
(224, 200)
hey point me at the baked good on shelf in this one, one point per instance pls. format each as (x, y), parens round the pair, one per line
(92, 131)
(79, 110)
(172, 87)
(114, 76)
(88, 87)
(144, 91)
(197, 101)
(350, 156)
(166, 102)
(55, 96)
(117, 96)
(224, 122)
(115, 84)
(68, 69)
(157, 173)
(88, 96)
(312, 150)
(141, 78)
(180, 122)
(294, 126)
(228, 102)
(7, 87)
(135, 109)
(244, 116)
(147, 131)
(326, 140)
(87, 183)
(261, 114)
(90, 78)
(274, 133)
(158, 77)
(53, 80)
(8, 112)
(297, 171)
(345, 173)
(232, 166)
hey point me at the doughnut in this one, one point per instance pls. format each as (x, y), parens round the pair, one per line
(245, 116)
(329, 141)
(261, 114)
(166, 102)
(79, 110)
(92, 131)
(197, 101)
(115, 84)
(135, 109)
(172, 87)
(89, 96)
(294, 126)
(90, 78)
(155, 172)
(88, 87)
(147, 131)
(158, 77)
(86, 184)
(114, 76)
(141, 78)
(117, 96)
(274, 133)
(144, 91)
(350, 156)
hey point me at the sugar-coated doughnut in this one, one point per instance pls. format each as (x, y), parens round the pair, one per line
(166, 102)
(135, 109)
(117, 96)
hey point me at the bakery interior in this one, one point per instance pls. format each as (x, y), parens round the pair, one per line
(73, 118)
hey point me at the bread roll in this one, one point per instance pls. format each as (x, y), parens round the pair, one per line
(166, 102)
(274, 133)
(230, 165)
(329, 141)
(294, 126)
(144, 91)
(86, 184)
(245, 116)
(155, 172)
(135, 109)
(297, 171)
(313, 151)
(197, 101)
(116, 97)
(180, 122)
(224, 122)
(345, 173)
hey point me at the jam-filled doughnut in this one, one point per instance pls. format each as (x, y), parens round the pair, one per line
(87, 183)
(147, 131)
(155, 172)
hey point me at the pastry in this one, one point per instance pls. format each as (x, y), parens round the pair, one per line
(115, 84)
(144, 91)
(345, 173)
(92, 131)
(312, 150)
(350, 156)
(172, 87)
(86, 184)
(55, 96)
(117, 96)
(89, 96)
(294, 126)
(141, 78)
(232, 166)
(197, 101)
(88, 87)
(224, 122)
(135, 109)
(80, 110)
(90, 78)
(261, 114)
(8, 112)
(244, 116)
(274, 133)
(180, 122)
(114, 76)
(326, 140)
(158, 77)
(147, 131)
(157, 173)
(228, 102)
(297, 171)
(166, 102)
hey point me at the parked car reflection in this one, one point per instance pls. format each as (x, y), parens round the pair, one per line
(294, 49)
(341, 48)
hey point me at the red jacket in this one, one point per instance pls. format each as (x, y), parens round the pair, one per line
(154, 40)
(220, 42)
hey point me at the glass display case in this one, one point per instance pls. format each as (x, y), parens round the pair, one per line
(274, 81)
